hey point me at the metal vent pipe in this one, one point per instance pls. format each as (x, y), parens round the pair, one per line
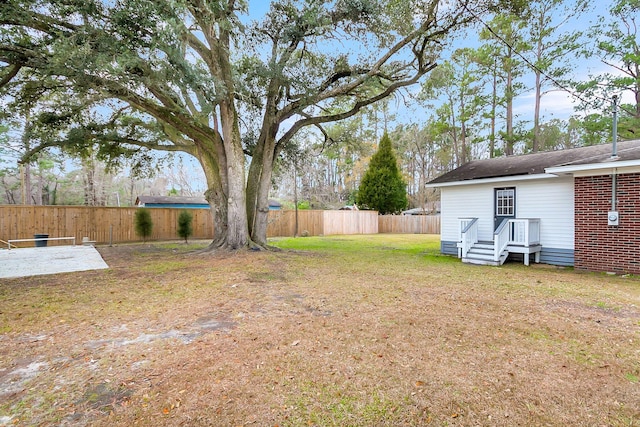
(614, 152)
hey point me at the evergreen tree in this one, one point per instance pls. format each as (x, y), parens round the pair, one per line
(143, 223)
(185, 226)
(382, 187)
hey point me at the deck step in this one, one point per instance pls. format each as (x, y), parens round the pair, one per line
(481, 251)
(484, 245)
(480, 261)
(482, 254)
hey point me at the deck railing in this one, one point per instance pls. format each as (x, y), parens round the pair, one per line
(524, 231)
(468, 234)
(501, 239)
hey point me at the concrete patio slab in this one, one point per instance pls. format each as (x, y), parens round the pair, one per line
(49, 260)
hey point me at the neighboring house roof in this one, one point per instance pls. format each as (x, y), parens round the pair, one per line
(184, 201)
(171, 200)
(274, 204)
(567, 160)
(429, 209)
(353, 207)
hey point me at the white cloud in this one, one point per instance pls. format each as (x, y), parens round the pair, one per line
(554, 105)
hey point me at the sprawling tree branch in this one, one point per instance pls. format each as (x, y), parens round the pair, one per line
(13, 71)
(354, 110)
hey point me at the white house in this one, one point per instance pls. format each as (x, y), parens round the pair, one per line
(575, 207)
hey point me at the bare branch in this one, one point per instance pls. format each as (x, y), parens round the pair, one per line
(617, 67)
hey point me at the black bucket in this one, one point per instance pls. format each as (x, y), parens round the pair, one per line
(41, 243)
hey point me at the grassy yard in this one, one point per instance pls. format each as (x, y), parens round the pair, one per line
(336, 331)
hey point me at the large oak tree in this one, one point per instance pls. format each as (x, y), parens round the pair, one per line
(200, 77)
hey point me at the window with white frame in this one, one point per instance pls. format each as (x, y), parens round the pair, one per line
(505, 202)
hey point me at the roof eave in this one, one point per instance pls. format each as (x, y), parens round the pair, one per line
(499, 179)
(604, 168)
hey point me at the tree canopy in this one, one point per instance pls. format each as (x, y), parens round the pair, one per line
(196, 76)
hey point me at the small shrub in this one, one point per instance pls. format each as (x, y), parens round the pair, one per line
(304, 205)
(143, 223)
(185, 227)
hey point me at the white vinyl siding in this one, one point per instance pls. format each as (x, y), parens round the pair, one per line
(551, 200)
(469, 201)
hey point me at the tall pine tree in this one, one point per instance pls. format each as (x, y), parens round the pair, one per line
(382, 187)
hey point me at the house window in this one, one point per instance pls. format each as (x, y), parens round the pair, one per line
(505, 202)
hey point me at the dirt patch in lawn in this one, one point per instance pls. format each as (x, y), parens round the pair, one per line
(324, 337)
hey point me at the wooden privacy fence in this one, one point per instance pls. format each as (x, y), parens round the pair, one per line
(316, 223)
(283, 223)
(407, 224)
(116, 225)
(100, 224)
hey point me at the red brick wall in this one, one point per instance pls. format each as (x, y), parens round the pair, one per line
(598, 246)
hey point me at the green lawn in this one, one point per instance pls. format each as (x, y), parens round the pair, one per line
(337, 330)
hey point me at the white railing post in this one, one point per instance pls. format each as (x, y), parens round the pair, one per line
(534, 231)
(468, 235)
(501, 238)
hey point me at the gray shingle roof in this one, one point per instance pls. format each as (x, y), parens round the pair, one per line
(536, 163)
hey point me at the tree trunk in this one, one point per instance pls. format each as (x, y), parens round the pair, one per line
(463, 132)
(26, 170)
(508, 149)
(454, 134)
(222, 161)
(220, 151)
(237, 232)
(295, 196)
(89, 184)
(39, 189)
(258, 185)
(217, 199)
(536, 115)
(494, 103)
(26, 187)
(260, 169)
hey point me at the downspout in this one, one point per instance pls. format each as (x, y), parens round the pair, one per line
(614, 152)
(614, 183)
